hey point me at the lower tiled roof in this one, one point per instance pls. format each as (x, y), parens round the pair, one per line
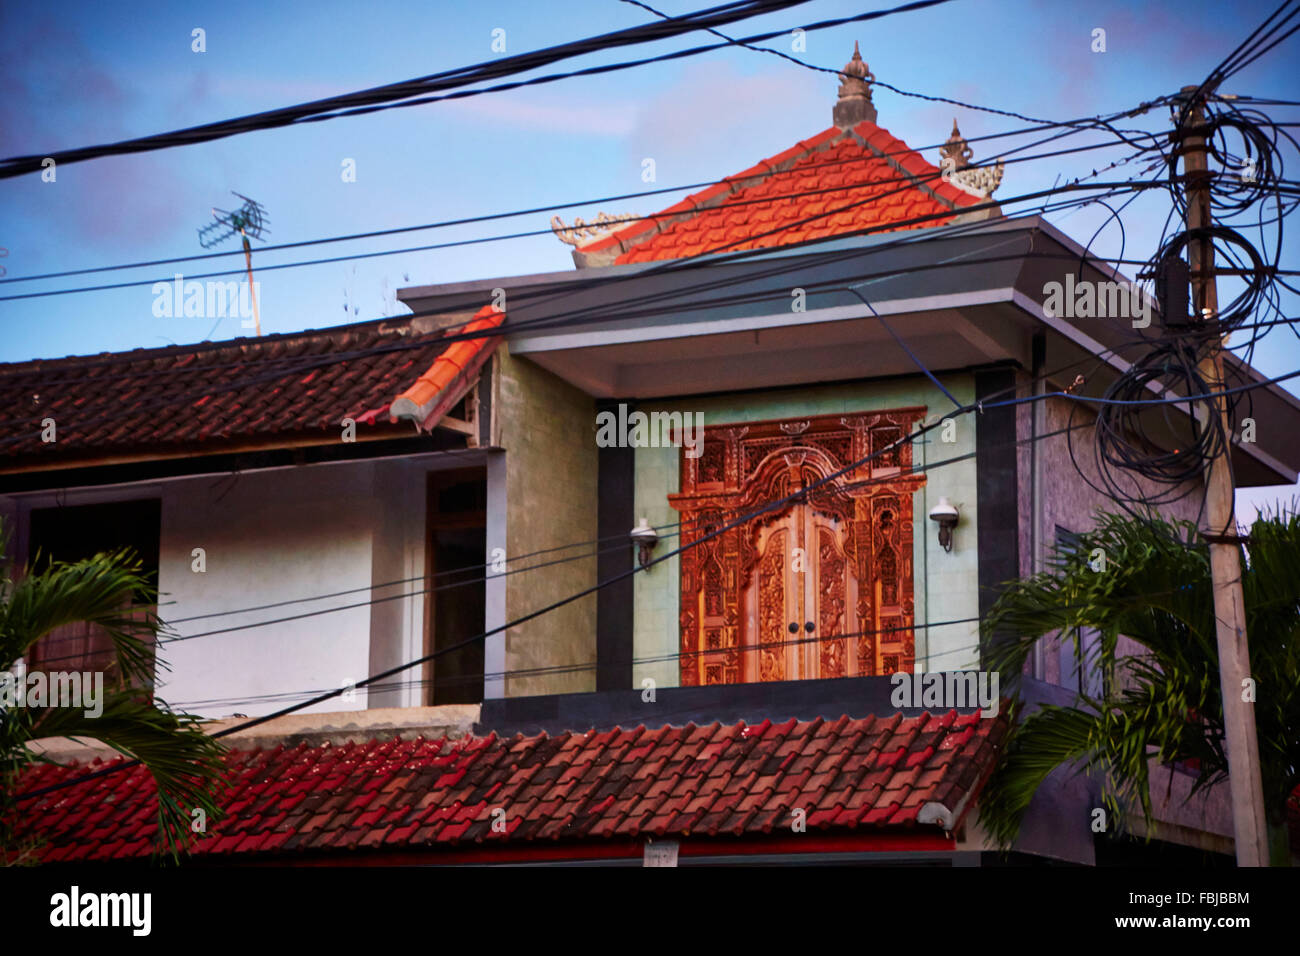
(872, 774)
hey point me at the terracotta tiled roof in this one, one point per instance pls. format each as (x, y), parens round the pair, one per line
(463, 359)
(873, 179)
(201, 397)
(873, 775)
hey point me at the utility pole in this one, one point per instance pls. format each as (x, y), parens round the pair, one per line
(1249, 827)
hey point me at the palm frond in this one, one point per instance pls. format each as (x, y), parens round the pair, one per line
(1155, 590)
(100, 590)
(186, 764)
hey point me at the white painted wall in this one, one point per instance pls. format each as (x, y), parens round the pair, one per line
(268, 537)
(397, 574)
(275, 536)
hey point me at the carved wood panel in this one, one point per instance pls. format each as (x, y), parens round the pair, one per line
(741, 589)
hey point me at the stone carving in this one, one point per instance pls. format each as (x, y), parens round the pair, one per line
(853, 104)
(956, 153)
(581, 232)
(955, 157)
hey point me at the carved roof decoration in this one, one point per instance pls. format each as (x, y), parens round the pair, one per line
(582, 232)
(854, 105)
(954, 159)
(956, 152)
(853, 178)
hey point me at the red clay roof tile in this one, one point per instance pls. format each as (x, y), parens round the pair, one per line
(295, 384)
(824, 186)
(618, 784)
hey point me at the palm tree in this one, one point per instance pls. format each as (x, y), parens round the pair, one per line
(110, 592)
(1150, 582)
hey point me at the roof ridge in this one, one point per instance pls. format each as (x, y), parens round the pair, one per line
(906, 159)
(722, 189)
(790, 197)
(127, 356)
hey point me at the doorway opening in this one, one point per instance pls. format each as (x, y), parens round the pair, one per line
(456, 596)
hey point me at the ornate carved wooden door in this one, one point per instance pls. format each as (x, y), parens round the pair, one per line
(819, 588)
(801, 593)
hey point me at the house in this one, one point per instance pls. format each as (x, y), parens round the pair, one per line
(842, 323)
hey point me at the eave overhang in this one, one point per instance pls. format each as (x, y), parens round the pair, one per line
(961, 296)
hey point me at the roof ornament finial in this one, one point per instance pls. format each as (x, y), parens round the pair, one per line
(956, 149)
(583, 232)
(954, 159)
(854, 103)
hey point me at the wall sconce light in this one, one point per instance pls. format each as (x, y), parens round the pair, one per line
(946, 515)
(645, 538)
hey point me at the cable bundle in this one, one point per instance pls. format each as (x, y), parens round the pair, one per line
(1137, 445)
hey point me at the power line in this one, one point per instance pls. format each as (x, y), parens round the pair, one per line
(905, 181)
(1095, 123)
(1259, 49)
(979, 406)
(399, 94)
(670, 266)
(489, 217)
(801, 494)
(281, 373)
(560, 320)
(1235, 60)
(523, 619)
(574, 317)
(770, 506)
(304, 598)
(514, 328)
(577, 668)
(664, 531)
(865, 482)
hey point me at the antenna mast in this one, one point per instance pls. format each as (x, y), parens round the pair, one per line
(248, 222)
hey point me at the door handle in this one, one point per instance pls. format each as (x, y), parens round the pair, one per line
(809, 626)
(794, 627)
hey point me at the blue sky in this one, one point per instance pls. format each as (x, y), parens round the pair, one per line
(81, 73)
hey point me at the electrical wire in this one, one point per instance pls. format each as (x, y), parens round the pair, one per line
(663, 531)
(1194, 394)
(398, 95)
(490, 217)
(574, 317)
(905, 181)
(979, 406)
(1134, 463)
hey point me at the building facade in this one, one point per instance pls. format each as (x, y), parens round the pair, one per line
(799, 368)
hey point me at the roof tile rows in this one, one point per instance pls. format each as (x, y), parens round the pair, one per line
(837, 182)
(460, 360)
(846, 774)
(179, 396)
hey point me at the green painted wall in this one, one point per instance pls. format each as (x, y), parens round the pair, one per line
(547, 430)
(946, 586)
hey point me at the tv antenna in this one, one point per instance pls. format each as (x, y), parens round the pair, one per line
(247, 222)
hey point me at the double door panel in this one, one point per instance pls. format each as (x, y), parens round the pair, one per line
(800, 602)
